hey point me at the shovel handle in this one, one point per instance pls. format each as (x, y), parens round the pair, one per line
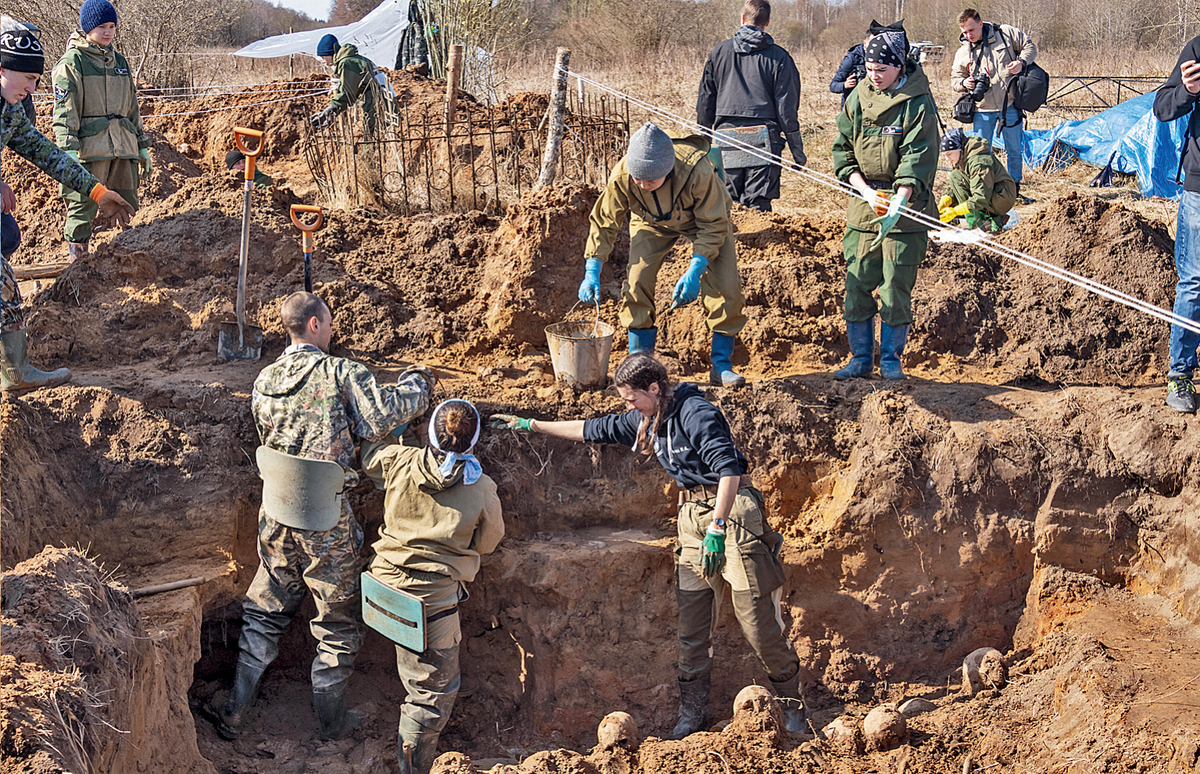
(297, 208)
(240, 132)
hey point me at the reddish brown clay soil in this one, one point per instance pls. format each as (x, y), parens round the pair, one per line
(1025, 490)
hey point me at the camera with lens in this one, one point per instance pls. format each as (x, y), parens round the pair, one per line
(860, 73)
(982, 82)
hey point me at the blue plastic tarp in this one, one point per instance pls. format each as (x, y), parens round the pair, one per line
(1143, 145)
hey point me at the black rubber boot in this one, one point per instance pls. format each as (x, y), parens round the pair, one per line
(241, 698)
(693, 706)
(791, 696)
(334, 719)
(418, 758)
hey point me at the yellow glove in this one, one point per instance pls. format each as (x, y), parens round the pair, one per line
(954, 212)
(946, 203)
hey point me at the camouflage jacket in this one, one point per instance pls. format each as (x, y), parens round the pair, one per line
(18, 134)
(310, 404)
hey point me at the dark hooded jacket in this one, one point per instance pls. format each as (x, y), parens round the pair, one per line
(1175, 101)
(748, 80)
(854, 59)
(693, 443)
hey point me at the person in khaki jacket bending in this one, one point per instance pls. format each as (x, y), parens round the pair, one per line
(992, 55)
(668, 188)
(440, 513)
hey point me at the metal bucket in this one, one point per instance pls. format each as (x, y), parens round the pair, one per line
(579, 351)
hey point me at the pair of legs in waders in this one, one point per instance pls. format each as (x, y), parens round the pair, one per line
(892, 269)
(120, 175)
(292, 563)
(720, 293)
(754, 575)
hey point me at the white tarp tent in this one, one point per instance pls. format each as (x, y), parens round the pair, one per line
(377, 36)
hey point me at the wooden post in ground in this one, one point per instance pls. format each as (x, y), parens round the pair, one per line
(558, 117)
(453, 74)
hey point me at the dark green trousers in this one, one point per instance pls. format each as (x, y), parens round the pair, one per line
(891, 269)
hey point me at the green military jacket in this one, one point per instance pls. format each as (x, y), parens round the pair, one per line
(95, 103)
(891, 137)
(431, 523)
(692, 202)
(23, 139)
(310, 404)
(984, 173)
(355, 74)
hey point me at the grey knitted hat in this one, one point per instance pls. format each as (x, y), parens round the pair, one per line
(651, 153)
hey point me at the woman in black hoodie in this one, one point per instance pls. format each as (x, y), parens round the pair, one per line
(723, 535)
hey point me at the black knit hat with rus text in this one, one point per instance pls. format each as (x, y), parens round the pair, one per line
(21, 51)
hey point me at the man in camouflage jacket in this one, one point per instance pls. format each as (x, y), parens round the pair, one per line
(22, 63)
(312, 405)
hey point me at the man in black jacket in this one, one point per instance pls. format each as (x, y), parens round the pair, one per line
(1174, 100)
(749, 93)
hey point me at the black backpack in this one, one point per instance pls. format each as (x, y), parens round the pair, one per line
(1028, 91)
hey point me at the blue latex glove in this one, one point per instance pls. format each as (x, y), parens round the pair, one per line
(144, 160)
(888, 219)
(589, 289)
(687, 289)
(712, 551)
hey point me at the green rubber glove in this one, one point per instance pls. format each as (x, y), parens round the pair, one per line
(144, 160)
(74, 154)
(712, 552)
(510, 422)
(888, 220)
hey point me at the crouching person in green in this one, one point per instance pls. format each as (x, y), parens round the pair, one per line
(981, 190)
(311, 409)
(97, 120)
(724, 540)
(886, 148)
(668, 188)
(440, 513)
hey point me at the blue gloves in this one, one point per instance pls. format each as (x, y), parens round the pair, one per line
(687, 289)
(589, 289)
(888, 219)
(712, 551)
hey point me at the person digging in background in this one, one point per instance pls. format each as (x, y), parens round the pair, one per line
(235, 160)
(1178, 97)
(723, 535)
(355, 76)
(750, 82)
(97, 119)
(668, 188)
(440, 513)
(990, 56)
(886, 148)
(981, 190)
(312, 407)
(22, 63)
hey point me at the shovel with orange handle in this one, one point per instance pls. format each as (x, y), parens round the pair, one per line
(248, 345)
(308, 240)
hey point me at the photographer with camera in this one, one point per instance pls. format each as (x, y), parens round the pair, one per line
(851, 72)
(992, 55)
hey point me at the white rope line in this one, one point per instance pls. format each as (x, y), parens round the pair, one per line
(233, 107)
(986, 243)
(293, 92)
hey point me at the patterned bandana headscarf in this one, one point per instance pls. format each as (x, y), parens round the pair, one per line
(473, 469)
(887, 48)
(953, 139)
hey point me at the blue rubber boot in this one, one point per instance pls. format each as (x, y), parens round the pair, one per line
(722, 374)
(862, 351)
(891, 346)
(642, 340)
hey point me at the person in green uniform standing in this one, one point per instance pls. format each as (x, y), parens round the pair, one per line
(97, 119)
(981, 189)
(886, 149)
(357, 79)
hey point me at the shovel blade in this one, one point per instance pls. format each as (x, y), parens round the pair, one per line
(232, 347)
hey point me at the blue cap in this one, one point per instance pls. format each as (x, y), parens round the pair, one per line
(94, 13)
(327, 46)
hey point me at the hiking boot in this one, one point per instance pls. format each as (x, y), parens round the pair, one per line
(1181, 394)
(693, 706)
(1021, 198)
